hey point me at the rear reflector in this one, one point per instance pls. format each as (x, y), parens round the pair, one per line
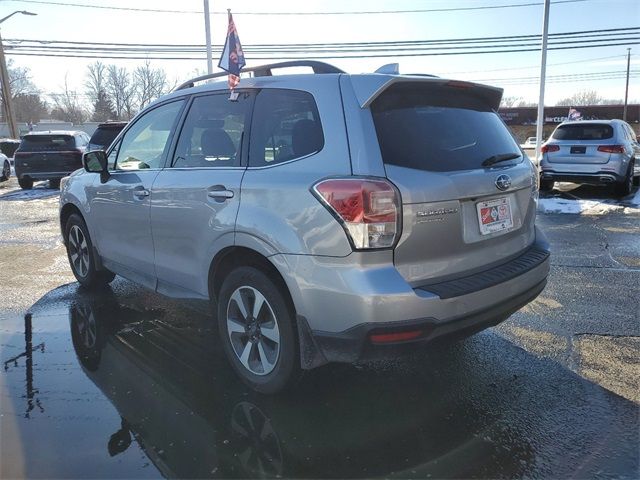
(549, 148)
(395, 336)
(611, 148)
(368, 209)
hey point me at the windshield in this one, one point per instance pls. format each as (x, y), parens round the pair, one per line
(439, 128)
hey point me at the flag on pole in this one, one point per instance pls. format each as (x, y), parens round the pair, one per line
(574, 114)
(232, 59)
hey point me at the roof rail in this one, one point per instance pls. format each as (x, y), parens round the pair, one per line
(266, 71)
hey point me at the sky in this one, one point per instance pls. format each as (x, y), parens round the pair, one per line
(76, 23)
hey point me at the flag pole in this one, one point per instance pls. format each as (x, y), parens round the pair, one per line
(207, 32)
(543, 73)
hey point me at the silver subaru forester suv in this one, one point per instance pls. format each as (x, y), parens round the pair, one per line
(328, 217)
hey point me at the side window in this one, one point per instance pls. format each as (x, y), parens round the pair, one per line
(212, 132)
(145, 144)
(81, 141)
(285, 125)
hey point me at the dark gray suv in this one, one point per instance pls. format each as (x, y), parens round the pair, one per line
(328, 217)
(49, 156)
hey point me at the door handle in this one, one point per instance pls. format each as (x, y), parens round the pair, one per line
(220, 194)
(141, 193)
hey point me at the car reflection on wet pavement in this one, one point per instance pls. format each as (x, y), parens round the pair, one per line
(115, 385)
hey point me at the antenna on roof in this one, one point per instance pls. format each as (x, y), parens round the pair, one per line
(389, 69)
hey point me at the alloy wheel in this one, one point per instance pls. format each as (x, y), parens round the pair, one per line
(253, 330)
(78, 251)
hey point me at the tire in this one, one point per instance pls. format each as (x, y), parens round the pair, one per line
(268, 363)
(54, 183)
(81, 255)
(546, 185)
(625, 187)
(25, 183)
(6, 171)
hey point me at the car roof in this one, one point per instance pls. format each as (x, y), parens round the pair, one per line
(114, 124)
(54, 132)
(590, 122)
(367, 86)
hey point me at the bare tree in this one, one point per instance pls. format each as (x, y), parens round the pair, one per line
(29, 107)
(150, 83)
(583, 97)
(67, 106)
(121, 91)
(96, 80)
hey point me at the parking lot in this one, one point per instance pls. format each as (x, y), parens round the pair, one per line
(552, 392)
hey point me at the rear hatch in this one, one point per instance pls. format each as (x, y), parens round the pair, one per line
(578, 143)
(104, 136)
(464, 210)
(48, 153)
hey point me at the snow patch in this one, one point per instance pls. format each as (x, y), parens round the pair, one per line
(37, 192)
(590, 207)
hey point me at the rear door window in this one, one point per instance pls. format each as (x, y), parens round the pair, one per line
(213, 131)
(286, 125)
(438, 128)
(589, 131)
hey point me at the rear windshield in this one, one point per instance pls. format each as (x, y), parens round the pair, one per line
(105, 136)
(42, 142)
(591, 131)
(439, 128)
(9, 148)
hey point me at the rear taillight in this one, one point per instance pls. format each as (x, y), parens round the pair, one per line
(549, 148)
(611, 148)
(369, 210)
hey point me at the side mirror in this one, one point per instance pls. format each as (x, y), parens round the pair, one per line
(96, 162)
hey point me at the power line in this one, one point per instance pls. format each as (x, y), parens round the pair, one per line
(289, 57)
(350, 44)
(369, 12)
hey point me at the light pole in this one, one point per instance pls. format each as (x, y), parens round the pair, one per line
(543, 75)
(207, 32)
(6, 88)
(626, 89)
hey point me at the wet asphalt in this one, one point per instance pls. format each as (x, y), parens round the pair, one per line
(126, 383)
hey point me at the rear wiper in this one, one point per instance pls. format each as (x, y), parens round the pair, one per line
(501, 157)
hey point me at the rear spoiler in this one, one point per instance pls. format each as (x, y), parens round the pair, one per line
(369, 87)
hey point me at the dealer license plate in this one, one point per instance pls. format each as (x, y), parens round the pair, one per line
(495, 215)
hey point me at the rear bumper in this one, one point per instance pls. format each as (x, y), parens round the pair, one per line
(597, 178)
(43, 175)
(375, 301)
(355, 344)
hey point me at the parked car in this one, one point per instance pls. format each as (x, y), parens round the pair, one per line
(329, 217)
(5, 172)
(594, 152)
(104, 135)
(8, 147)
(49, 156)
(529, 143)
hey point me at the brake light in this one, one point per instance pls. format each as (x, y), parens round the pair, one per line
(549, 148)
(611, 148)
(369, 210)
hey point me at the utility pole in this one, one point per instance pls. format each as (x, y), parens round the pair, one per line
(626, 90)
(543, 74)
(6, 88)
(207, 31)
(6, 95)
